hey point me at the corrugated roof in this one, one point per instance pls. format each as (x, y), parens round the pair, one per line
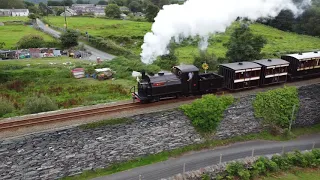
(271, 62)
(307, 55)
(187, 68)
(19, 10)
(244, 65)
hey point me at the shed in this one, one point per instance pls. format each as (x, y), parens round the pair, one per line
(273, 71)
(240, 75)
(302, 64)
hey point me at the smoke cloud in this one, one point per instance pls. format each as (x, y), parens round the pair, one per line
(203, 18)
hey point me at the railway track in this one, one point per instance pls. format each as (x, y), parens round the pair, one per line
(34, 121)
(108, 110)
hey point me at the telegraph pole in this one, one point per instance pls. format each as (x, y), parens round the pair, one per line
(65, 15)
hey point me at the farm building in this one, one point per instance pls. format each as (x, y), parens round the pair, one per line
(14, 12)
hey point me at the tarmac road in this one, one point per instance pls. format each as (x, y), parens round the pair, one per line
(95, 52)
(197, 160)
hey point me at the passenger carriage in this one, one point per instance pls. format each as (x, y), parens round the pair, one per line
(303, 64)
(274, 71)
(240, 75)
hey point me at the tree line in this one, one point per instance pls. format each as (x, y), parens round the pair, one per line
(307, 23)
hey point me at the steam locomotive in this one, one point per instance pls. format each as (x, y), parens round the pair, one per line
(186, 80)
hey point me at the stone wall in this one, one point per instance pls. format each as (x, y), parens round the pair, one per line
(239, 119)
(70, 151)
(309, 111)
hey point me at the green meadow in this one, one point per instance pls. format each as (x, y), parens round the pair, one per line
(279, 42)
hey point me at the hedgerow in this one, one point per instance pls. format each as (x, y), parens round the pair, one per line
(263, 165)
(276, 106)
(207, 112)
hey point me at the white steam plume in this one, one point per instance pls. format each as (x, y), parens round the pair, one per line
(202, 18)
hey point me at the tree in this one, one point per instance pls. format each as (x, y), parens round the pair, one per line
(113, 11)
(205, 57)
(32, 16)
(31, 41)
(69, 39)
(102, 2)
(28, 4)
(135, 6)
(284, 21)
(151, 12)
(55, 3)
(308, 22)
(169, 60)
(9, 4)
(67, 2)
(82, 2)
(117, 2)
(243, 45)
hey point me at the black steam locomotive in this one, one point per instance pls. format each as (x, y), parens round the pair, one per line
(186, 80)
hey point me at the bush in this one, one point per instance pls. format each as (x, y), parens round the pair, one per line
(69, 39)
(275, 106)
(207, 112)
(31, 41)
(282, 161)
(237, 169)
(38, 104)
(262, 166)
(5, 107)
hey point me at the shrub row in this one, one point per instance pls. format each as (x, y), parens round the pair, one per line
(34, 104)
(108, 45)
(207, 112)
(263, 165)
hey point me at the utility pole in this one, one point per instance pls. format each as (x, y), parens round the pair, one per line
(294, 106)
(65, 15)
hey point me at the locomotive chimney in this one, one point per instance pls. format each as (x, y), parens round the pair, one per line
(240, 63)
(143, 73)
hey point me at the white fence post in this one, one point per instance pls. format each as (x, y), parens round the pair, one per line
(252, 152)
(314, 143)
(220, 158)
(282, 149)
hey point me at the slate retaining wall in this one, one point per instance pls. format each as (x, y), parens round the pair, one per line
(71, 151)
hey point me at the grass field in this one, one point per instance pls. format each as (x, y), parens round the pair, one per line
(11, 18)
(103, 27)
(20, 79)
(11, 34)
(279, 42)
(296, 174)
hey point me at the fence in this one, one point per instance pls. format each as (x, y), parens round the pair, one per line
(210, 158)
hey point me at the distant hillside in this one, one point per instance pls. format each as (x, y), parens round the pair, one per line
(45, 1)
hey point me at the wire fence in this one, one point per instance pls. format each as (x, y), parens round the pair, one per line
(219, 157)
